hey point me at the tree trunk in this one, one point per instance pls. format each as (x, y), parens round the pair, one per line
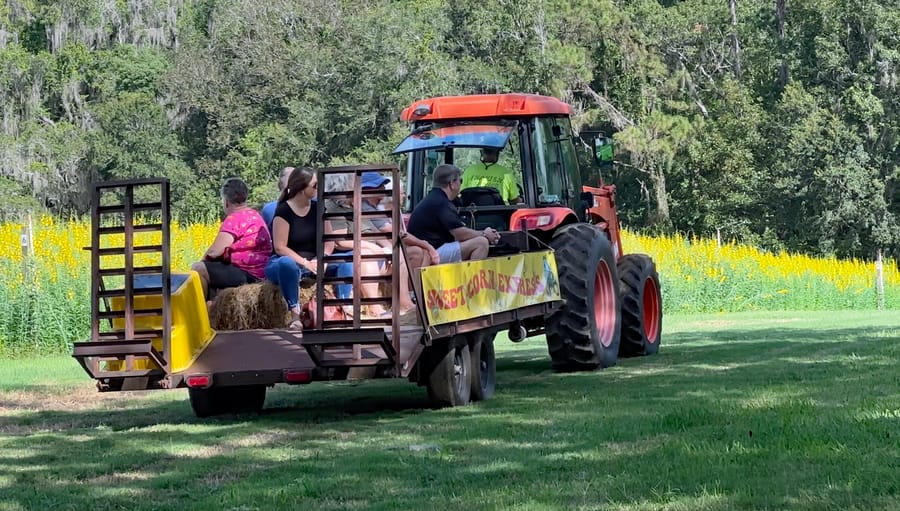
(661, 216)
(735, 41)
(780, 14)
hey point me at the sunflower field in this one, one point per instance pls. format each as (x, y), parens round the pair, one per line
(45, 299)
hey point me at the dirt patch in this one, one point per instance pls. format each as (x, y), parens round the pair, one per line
(49, 398)
(731, 323)
(40, 408)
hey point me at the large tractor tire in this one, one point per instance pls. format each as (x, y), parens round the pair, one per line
(584, 333)
(449, 382)
(484, 366)
(641, 306)
(223, 400)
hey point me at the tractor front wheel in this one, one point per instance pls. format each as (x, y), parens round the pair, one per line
(584, 334)
(641, 306)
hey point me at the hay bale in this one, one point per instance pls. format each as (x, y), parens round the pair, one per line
(248, 307)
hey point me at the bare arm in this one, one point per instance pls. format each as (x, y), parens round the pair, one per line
(280, 230)
(464, 234)
(412, 241)
(223, 240)
(329, 245)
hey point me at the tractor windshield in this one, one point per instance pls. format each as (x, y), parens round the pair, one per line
(556, 166)
(461, 144)
(436, 136)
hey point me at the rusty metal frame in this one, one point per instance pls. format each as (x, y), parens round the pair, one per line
(127, 344)
(317, 345)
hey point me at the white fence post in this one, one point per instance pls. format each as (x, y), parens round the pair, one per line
(27, 244)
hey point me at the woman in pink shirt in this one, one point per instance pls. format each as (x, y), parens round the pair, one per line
(242, 248)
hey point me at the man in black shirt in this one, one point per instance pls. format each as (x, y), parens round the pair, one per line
(436, 221)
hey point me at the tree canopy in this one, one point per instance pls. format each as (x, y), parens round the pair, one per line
(774, 123)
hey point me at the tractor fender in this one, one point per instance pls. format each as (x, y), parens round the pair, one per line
(542, 219)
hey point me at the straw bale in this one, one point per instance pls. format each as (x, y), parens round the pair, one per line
(248, 307)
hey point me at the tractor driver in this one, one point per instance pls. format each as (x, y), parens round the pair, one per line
(436, 221)
(491, 174)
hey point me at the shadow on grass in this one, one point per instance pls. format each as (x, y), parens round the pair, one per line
(772, 417)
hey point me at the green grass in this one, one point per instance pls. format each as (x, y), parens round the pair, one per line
(738, 411)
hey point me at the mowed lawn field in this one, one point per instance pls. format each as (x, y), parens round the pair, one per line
(738, 411)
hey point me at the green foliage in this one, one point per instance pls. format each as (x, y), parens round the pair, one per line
(786, 139)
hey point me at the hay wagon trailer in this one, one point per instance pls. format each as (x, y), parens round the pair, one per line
(150, 327)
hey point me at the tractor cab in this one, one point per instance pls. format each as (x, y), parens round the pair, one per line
(532, 141)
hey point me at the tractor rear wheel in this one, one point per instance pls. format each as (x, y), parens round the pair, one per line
(584, 333)
(641, 306)
(449, 383)
(484, 366)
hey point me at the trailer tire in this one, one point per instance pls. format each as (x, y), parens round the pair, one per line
(222, 400)
(484, 366)
(584, 334)
(207, 402)
(641, 306)
(449, 383)
(246, 398)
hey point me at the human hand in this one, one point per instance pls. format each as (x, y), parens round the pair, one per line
(433, 254)
(492, 235)
(310, 265)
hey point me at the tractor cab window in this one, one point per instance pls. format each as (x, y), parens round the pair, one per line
(556, 165)
(460, 144)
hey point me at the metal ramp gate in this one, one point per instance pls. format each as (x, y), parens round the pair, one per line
(356, 341)
(128, 219)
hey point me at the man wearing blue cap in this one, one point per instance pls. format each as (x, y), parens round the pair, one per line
(372, 180)
(418, 251)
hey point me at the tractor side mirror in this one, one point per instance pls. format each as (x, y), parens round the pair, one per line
(603, 151)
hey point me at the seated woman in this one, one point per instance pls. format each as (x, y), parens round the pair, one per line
(242, 247)
(294, 237)
(419, 253)
(342, 182)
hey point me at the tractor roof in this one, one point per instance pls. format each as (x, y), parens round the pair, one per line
(484, 106)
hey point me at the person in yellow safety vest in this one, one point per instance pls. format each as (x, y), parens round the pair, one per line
(491, 174)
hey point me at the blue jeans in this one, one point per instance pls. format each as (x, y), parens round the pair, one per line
(285, 272)
(341, 270)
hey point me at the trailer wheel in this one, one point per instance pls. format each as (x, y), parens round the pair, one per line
(222, 400)
(584, 334)
(207, 402)
(484, 366)
(450, 383)
(641, 306)
(246, 398)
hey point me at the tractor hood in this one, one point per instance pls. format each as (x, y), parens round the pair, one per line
(433, 136)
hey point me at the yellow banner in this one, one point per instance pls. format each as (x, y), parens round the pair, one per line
(469, 289)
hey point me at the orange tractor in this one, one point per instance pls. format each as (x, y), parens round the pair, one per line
(613, 304)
